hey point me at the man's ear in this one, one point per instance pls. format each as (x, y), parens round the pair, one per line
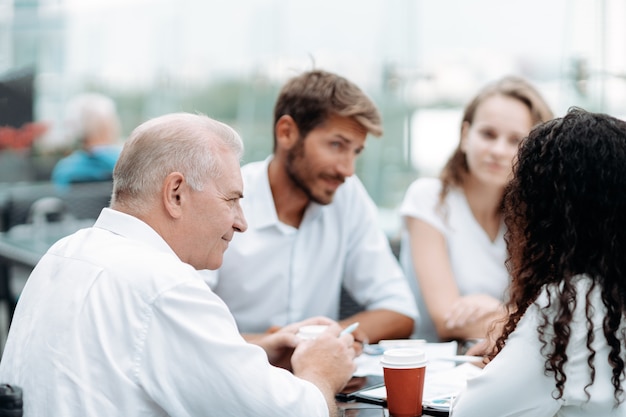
(173, 193)
(287, 132)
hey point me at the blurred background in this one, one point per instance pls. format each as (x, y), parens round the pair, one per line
(420, 60)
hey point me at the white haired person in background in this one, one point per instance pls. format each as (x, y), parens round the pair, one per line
(93, 124)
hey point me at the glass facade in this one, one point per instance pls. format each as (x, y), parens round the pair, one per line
(420, 61)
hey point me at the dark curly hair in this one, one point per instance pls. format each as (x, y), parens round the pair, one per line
(565, 210)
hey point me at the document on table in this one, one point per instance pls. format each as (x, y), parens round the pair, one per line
(443, 380)
(438, 355)
(439, 386)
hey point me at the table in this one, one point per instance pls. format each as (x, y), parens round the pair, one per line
(355, 409)
(361, 410)
(446, 373)
(24, 245)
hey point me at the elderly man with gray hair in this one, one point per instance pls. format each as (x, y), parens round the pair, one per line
(116, 319)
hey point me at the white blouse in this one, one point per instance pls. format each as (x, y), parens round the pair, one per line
(477, 262)
(515, 383)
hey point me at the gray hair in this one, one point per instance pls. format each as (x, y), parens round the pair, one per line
(178, 142)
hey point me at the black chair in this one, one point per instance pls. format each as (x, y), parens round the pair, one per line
(23, 203)
(347, 305)
(83, 200)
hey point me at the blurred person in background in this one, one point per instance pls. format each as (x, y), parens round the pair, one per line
(561, 352)
(116, 320)
(313, 228)
(453, 250)
(94, 128)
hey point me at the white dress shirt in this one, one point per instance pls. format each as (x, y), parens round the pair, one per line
(515, 383)
(275, 274)
(477, 262)
(112, 323)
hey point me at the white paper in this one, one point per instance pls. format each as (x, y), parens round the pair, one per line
(370, 364)
(444, 380)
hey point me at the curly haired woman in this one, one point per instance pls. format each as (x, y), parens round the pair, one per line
(561, 352)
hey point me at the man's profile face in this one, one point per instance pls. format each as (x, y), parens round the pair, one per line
(320, 162)
(216, 214)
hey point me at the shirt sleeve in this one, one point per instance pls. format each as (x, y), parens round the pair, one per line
(514, 383)
(373, 276)
(421, 201)
(193, 362)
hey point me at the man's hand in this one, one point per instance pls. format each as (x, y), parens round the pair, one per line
(327, 362)
(280, 342)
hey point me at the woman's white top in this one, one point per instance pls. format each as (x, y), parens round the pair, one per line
(477, 262)
(515, 384)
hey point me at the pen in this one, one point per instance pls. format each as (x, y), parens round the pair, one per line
(350, 328)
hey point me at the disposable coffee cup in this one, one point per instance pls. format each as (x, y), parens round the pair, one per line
(312, 331)
(404, 370)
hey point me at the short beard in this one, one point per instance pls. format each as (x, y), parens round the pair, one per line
(294, 155)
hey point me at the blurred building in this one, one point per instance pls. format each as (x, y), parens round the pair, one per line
(419, 60)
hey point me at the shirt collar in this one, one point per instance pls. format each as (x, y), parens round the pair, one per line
(262, 210)
(132, 228)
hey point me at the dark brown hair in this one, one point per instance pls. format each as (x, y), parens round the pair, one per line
(313, 96)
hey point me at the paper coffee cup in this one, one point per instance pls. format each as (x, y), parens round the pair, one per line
(404, 370)
(312, 331)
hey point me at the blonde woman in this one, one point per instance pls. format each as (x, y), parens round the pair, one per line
(453, 248)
